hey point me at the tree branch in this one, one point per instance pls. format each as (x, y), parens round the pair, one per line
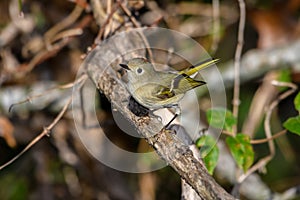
(173, 150)
(255, 63)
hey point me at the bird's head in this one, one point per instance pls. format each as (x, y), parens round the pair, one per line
(138, 66)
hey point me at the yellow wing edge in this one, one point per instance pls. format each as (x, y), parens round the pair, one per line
(192, 70)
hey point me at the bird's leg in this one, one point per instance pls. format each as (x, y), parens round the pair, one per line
(169, 56)
(169, 123)
(177, 113)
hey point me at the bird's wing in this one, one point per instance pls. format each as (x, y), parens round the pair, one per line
(184, 82)
(155, 91)
(163, 92)
(193, 69)
(154, 95)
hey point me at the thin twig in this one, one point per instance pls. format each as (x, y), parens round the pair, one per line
(45, 132)
(216, 25)
(128, 13)
(263, 97)
(237, 61)
(137, 25)
(70, 19)
(264, 161)
(43, 55)
(260, 141)
(98, 11)
(65, 86)
(111, 21)
(227, 133)
(46, 53)
(83, 114)
(109, 6)
(67, 33)
(108, 18)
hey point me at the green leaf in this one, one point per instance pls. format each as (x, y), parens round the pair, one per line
(209, 151)
(293, 125)
(284, 76)
(221, 118)
(20, 5)
(241, 150)
(297, 102)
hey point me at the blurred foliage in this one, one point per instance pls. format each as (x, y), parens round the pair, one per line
(221, 118)
(16, 187)
(209, 151)
(61, 168)
(293, 123)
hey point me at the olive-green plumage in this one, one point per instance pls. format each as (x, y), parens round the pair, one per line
(158, 89)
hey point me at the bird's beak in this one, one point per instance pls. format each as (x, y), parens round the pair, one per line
(124, 66)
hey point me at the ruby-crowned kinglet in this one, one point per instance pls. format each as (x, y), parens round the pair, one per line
(158, 89)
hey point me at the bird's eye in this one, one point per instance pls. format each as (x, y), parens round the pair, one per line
(139, 70)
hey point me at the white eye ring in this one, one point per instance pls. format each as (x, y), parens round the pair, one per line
(139, 70)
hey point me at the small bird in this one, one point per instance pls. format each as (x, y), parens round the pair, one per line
(159, 89)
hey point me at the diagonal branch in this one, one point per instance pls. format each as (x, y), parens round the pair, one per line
(173, 150)
(44, 133)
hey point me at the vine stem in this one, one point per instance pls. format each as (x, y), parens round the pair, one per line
(45, 132)
(237, 61)
(264, 161)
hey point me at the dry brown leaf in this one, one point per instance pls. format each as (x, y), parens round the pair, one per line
(6, 131)
(277, 25)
